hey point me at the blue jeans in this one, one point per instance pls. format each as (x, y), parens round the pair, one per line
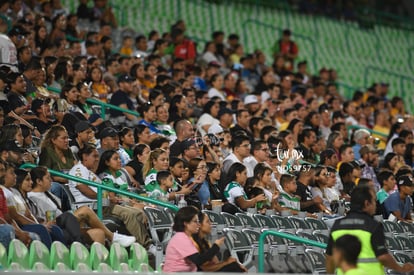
(6, 234)
(40, 230)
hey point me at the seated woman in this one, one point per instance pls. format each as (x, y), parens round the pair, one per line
(182, 254)
(133, 218)
(234, 192)
(95, 231)
(56, 154)
(20, 212)
(158, 160)
(202, 244)
(319, 190)
(139, 157)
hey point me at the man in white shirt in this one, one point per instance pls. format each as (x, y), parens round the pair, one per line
(260, 154)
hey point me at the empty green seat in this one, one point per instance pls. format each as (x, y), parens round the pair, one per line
(78, 254)
(61, 267)
(39, 253)
(98, 254)
(3, 256)
(15, 267)
(117, 256)
(40, 267)
(18, 253)
(137, 255)
(82, 267)
(104, 267)
(59, 253)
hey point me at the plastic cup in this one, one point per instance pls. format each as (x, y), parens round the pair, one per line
(50, 215)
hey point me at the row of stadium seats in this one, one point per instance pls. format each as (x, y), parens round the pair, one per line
(78, 258)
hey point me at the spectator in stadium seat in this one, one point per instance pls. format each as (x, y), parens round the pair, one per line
(398, 147)
(387, 182)
(240, 145)
(233, 191)
(363, 206)
(335, 141)
(149, 116)
(84, 135)
(177, 108)
(400, 203)
(184, 48)
(121, 98)
(361, 138)
(184, 130)
(286, 48)
(202, 244)
(260, 154)
(370, 160)
(346, 153)
(328, 157)
(181, 253)
(306, 139)
(157, 161)
(348, 178)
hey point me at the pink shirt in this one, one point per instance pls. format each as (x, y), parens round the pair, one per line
(179, 248)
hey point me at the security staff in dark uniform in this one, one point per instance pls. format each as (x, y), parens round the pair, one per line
(359, 222)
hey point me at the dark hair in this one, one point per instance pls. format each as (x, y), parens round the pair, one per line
(343, 148)
(123, 132)
(359, 195)
(208, 106)
(37, 173)
(87, 149)
(260, 169)
(139, 149)
(255, 120)
(408, 156)
(237, 140)
(173, 103)
(192, 165)
(397, 141)
(66, 89)
(266, 130)
(158, 141)
(162, 175)
(154, 94)
(144, 108)
(236, 167)
(286, 178)
(293, 123)
(138, 130)
(20, 176)
(106, 156)
(350, 247)
(306, 132)
(345, 169)
(404, 133)
(184, 215)
(394, 129)
(387, 159)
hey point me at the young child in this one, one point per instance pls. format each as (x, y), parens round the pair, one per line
(345, 254)
(287, 198)
(387, 181)
(126, 48)
(165, 181)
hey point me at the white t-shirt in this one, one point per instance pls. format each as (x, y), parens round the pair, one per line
(44, 204)
(206, 119)
(8, 53)
(9, 197)
(214, 92)
(80, 171)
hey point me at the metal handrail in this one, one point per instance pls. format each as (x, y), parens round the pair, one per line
(357, 127)
(300, 36)
(101, 187)
(285, 236)
(102, 104)
(392, 73)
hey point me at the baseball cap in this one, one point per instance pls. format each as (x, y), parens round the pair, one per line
(82, 126)
(108, 132)
(405, 181)
(215, 129)
(250, 99)
(125, 78)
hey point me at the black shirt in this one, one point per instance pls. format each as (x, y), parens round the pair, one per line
(305, 195)
(175, 148)
(358, 220)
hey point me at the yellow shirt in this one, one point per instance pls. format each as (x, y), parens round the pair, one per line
(383, 139)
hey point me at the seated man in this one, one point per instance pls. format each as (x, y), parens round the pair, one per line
(399, 203)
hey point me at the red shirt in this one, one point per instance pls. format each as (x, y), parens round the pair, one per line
(288, 47)
(185, 50)
(3, 204)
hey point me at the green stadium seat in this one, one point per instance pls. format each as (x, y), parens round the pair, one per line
(82, 267)
(61, 267)
(40, 267)
(137, 256)
(98, 254)
(79, 254)
(59, 254)
(3, 256)
(104, 267)
(16, 267)
(117, 256)
(18, 253)
(39, 253)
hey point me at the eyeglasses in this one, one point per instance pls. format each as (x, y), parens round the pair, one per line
(245, 145)
(264, 149)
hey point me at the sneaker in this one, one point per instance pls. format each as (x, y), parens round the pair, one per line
(123, 240)
(152, 249)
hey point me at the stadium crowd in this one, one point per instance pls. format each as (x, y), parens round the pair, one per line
(220, 126)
